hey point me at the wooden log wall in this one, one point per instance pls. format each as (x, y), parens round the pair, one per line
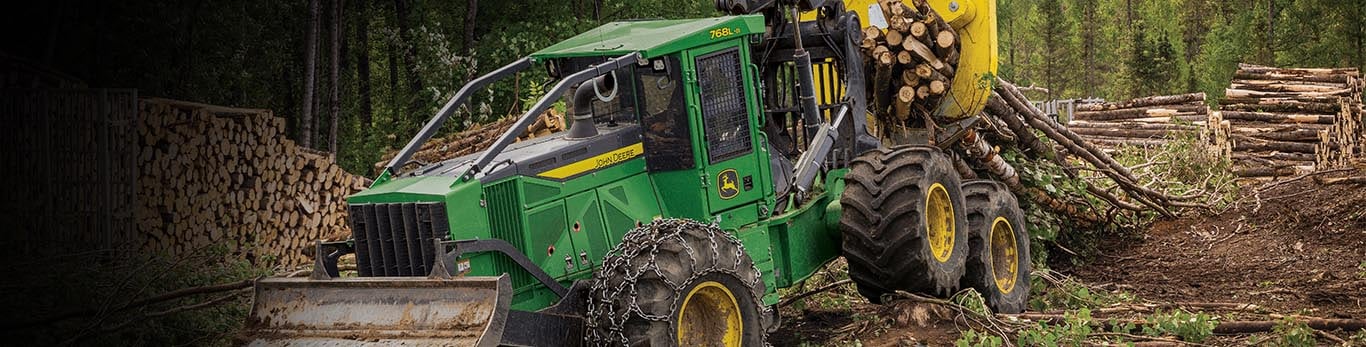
(214, 175)
(1288, 121)
(475, 139)
(1152, 121)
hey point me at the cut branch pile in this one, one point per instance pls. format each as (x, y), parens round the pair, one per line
(912, 61)
(1151, 121)
(214, 175)
(1062, 147)
(475, 139)
(1289, 121)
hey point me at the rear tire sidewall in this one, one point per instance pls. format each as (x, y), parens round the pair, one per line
(990, 200)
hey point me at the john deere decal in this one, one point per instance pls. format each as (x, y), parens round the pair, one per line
(727, 184)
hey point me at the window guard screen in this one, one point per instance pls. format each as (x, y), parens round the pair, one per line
(725, 117)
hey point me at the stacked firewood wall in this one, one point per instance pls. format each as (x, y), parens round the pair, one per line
(475, 139)
(1152, 121)
(1289, 121)
(216, 176)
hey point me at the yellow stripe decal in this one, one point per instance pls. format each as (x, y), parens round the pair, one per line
(596, 162)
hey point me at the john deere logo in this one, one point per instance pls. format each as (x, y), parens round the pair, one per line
(728, 187)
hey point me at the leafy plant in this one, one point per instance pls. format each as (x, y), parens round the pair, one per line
(972, 338)
(1293, 333)
(1075, 329)
(1192, 327)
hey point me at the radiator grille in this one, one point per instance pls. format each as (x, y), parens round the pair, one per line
(395, 239)
(505, 223)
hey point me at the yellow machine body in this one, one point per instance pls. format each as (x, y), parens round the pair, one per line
(975, 22)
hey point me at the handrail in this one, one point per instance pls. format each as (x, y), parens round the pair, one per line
(541, 105)
(460, 97)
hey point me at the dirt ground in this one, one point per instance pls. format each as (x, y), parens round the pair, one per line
(1294, 248)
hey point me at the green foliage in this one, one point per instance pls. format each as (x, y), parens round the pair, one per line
(1119, 49)
(973, 338)
(1068, 294)
(1074, 331)
(1290, 332)
(1190, 327)
(972, 300)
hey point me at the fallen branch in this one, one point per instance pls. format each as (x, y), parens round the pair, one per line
(176, 294)
(1250, 327)
(1342, 180)
(821, 289)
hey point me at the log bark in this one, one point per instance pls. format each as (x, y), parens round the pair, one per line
(1283, 134)
(310, 74)
(902, 104)
(1246, 143)
(1249, 327)
(1131, 113)
(366, 112)
(1269, 117)
(1151, 101)
(1135, 133)
(1136, 126)
(1293, 107)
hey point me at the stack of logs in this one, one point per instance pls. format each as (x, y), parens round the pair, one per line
(475, 139)
(216, 176)
(1152, 121)
(912, 61)
(1292, 121)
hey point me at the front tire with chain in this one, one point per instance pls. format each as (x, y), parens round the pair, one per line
(677, 282)
(902, 221)
(998, 260)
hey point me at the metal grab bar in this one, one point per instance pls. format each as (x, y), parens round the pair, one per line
(541, 105)
(460, 97)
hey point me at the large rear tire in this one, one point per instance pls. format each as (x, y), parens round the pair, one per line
(998, 260)
(902, 221)
(677, 282)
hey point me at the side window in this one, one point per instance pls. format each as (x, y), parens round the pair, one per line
(724, 115)
(663, 115)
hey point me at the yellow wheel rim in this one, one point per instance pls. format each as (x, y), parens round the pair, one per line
(709, 317)
(939, 222)
(1005, 261)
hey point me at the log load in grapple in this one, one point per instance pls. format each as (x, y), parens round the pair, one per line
(709, 163)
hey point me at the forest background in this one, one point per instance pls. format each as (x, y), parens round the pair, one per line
(359, 77)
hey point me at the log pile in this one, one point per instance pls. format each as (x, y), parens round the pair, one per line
(1288, 121)
(214, 176)
(475, 139)
(912, 61)
(1151, 121)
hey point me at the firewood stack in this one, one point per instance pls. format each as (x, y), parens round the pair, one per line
(1293, 120)
(215, 176)
(913, 61)
(1151, 121)
(476, 139)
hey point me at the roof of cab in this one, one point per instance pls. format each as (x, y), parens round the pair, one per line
(652, 38)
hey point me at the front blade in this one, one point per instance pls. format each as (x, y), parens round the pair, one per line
(379, 311)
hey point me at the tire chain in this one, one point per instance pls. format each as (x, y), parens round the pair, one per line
(603, 298)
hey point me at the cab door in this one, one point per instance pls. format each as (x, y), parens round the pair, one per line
(726, 111)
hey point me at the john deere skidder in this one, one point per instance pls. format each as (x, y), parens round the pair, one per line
(709, 163)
